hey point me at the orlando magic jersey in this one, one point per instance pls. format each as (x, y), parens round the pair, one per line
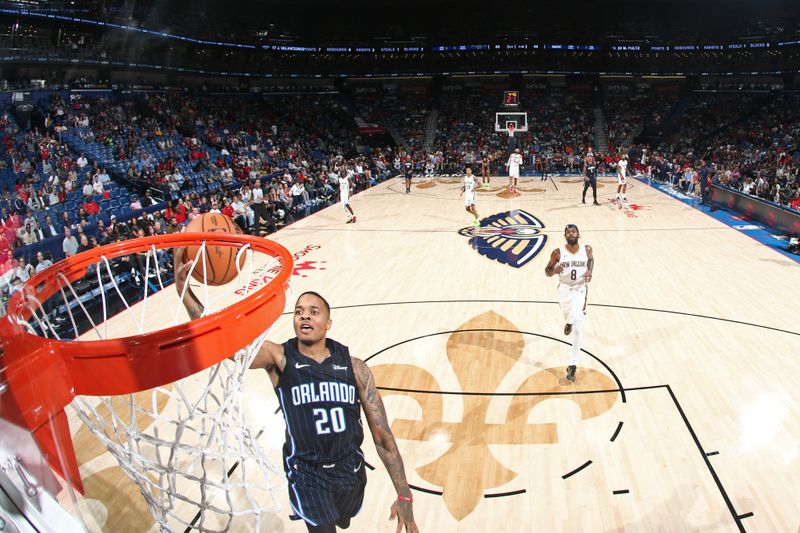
(575, 266)
(591, 166)
(320, 404)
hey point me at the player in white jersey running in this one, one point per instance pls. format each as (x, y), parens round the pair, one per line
(469, 200)
(345, 175)
(573, 262)
(513, 164)
(622, 178)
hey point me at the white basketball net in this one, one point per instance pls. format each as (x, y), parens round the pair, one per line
(187, 445)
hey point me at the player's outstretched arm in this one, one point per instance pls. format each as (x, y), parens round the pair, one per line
(385, 445)
(190, 301)
(554, 267)
(589, 263)
(270, 357)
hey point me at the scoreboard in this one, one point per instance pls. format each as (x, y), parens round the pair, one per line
(511, 98)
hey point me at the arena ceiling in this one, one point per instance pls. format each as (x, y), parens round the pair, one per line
(426, 21)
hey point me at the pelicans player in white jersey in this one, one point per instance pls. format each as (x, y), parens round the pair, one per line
(469, 199)
(622, 178)
(573, 262)
(345, 174)
(514, 162)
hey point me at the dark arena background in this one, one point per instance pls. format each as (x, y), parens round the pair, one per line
(665, 130)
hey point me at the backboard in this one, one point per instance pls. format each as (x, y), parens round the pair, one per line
(505, 118)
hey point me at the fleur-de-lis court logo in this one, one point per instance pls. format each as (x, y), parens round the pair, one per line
(482, 352)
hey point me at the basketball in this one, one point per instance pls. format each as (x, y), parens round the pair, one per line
(220, 267)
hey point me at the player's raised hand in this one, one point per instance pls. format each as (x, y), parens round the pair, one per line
(404, 513)
(559, 268)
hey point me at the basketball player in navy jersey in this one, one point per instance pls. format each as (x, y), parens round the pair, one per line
(321, 390)
(485, 164)
(574, 263)
(408, 171)
(590, 176)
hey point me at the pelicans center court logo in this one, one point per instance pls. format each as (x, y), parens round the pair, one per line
(512, 238)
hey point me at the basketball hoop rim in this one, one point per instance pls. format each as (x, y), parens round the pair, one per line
(188, 347)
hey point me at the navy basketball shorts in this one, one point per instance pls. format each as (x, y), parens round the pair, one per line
(326, 493)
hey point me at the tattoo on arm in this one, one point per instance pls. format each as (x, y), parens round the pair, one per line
(385, 444)
(590, 264)
(367, 382)
(277, 368)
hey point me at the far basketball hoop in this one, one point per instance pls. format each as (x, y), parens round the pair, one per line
(511, 122)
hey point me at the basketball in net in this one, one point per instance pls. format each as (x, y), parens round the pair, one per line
(219, 266)
(511, 129)
(160, 389)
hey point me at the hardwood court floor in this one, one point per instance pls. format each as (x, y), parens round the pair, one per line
(683, 414)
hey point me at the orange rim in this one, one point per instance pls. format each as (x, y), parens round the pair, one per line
(211, 337)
